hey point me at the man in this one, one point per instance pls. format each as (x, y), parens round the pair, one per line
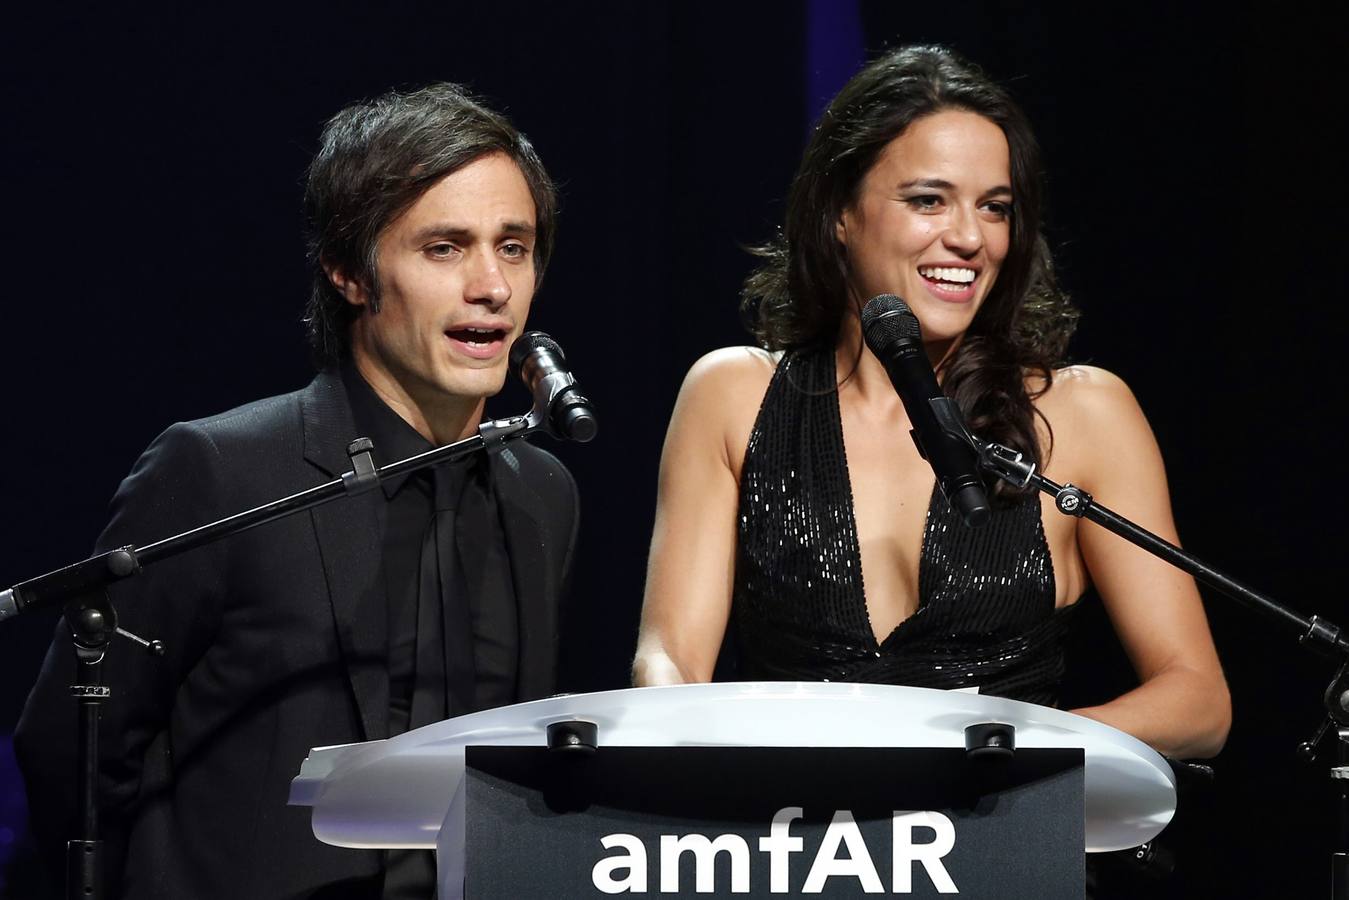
(431, 223)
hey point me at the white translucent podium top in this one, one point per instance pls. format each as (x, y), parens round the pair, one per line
(395, 793)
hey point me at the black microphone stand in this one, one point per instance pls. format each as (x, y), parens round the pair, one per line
(1316, 632)
(82, 589)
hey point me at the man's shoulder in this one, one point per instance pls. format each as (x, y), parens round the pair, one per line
(537, 480)
(259, 433)
(540, 470)
(525, 457)
(269, 415)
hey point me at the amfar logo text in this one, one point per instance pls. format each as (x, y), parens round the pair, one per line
(779, 844)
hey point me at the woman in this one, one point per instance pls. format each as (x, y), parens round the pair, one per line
(793, 499)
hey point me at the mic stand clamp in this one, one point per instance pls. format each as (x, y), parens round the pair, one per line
(364, 474)
(497, 432)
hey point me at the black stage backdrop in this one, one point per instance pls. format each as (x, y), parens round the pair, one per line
(154, 272)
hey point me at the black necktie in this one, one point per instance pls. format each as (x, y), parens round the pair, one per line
(445, 679)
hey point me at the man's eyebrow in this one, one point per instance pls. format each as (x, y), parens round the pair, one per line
(447, 230)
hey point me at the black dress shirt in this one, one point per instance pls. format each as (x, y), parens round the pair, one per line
(479, 634)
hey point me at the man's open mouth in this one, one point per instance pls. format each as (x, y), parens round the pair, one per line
(478, 337)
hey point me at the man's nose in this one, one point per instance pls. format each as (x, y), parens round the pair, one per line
(486, 282)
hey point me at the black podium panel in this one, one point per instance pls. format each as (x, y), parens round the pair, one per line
(768, 822)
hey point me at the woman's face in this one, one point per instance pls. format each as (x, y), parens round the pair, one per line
(932, 220)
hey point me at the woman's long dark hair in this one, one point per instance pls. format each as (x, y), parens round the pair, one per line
(798, 296)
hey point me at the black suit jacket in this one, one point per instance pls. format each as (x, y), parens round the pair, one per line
(276, 642)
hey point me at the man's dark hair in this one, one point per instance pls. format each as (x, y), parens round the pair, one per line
(798, 296)
(375, 160)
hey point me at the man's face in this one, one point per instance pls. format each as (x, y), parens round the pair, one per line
(456, 277)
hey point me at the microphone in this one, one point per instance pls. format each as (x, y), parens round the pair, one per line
(557, 397)
(891, 331)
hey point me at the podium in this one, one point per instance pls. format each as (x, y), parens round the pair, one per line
(415, 790)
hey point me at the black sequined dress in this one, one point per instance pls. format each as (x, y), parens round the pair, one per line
(986, 611)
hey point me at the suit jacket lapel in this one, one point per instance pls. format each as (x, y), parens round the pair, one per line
(525, 541)
(350, 536)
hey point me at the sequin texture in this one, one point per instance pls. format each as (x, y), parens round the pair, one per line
(986, 612)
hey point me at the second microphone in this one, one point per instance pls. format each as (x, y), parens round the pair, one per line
(892, 332)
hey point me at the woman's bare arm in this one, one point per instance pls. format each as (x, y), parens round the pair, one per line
(692, 563)
(1181, 706)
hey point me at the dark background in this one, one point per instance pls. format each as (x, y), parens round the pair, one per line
(152, 167)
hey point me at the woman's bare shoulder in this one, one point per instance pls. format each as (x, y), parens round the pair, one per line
(732, 364)
(1094, 417)
(727, 376)
(720, 400)
(1081, 391)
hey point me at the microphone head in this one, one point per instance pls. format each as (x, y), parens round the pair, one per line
(530, 341)
(886, 320)
(539, 361)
